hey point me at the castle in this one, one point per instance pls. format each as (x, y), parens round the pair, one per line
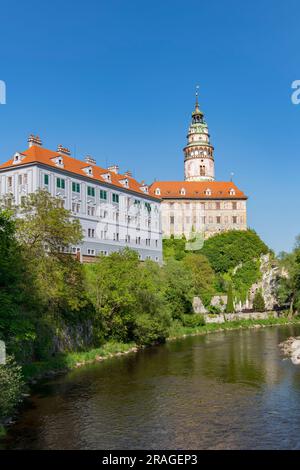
(199, 204)
(116, 211)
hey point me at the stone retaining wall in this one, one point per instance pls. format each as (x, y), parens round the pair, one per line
(221, 318)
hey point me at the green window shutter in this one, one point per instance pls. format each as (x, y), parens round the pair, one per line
(103, 194)
(62, 184)
(46, 179)
(75, 187)
(91, 191)
(58, 182)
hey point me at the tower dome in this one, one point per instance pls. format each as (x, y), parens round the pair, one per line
(199, 153)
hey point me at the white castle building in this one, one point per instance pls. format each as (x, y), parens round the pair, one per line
(115, 211)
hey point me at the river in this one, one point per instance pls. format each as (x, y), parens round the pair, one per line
(228, 390)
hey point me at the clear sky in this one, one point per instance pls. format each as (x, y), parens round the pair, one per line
(116, 79)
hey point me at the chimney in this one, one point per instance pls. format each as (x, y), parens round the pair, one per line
(63, 150)
(34, 140)
(114, 168)
(128, 173)
(90, 160)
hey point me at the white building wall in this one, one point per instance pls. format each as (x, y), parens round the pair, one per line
(108, 228)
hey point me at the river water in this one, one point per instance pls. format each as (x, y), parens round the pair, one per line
(229, 390)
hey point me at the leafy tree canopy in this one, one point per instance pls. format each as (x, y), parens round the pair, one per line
(227, 250)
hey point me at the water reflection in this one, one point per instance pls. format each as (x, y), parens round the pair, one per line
(224, 390)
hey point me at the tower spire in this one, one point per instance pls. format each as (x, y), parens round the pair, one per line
(197, 93)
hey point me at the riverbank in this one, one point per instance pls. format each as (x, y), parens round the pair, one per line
(64, 362)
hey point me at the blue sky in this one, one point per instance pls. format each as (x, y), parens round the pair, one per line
(116, 79)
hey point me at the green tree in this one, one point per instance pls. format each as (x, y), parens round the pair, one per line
(203, 276)
(179, 287)
(128, 297)
(258, 302)
(227, 250)
(45, 225)
(17, 291)
(229, 305)
(289, 285)
(11, 384)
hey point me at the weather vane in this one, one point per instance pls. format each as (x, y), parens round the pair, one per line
(231, 176)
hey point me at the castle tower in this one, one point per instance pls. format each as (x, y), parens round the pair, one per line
(199, 162)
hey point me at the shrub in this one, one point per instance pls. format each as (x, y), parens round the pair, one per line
(258, 302)
(192, 320)
(11, 384)
(229, 306)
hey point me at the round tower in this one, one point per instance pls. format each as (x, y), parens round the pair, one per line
(199, 162)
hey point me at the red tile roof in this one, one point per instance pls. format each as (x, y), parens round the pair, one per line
(36, 154)
(196, 190)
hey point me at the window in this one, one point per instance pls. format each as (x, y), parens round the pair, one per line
(91, 210)
(60, 183)
(234, 205)
(91, 191)
(91, 252)
(91, 233)
(148, 206)
(234, 219)
(218, 219)
(20, 179)
(202, 170)
(127, 238)
(138, 240)
(116, 237)
(75, 207)
(172, 219)
(115, 198)
(75, 187)
(157, 191)
(9, 181)
(25, 178)
(103, 194)
(156, 243)
(218, 205)
(46, 180)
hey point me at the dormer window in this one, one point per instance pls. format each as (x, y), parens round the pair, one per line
(207, 192)
(59, 161)
(18, 157)
(182, 192)
(157, 191)
(88, 170)
(232, 192)
(125, 183)
(106, 177)
(144, 188)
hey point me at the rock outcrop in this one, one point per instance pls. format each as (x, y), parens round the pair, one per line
(291, 348)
